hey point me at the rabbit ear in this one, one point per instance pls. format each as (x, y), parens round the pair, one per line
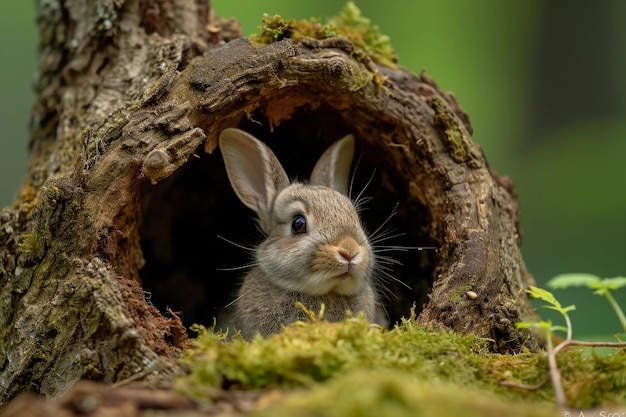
(333, 168)
(253, 170)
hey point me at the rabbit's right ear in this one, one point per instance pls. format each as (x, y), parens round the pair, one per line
(253, 170)
(333, 168)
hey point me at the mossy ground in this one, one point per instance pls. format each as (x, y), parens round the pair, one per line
(352, 368)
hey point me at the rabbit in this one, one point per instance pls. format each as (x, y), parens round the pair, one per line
(316, 250)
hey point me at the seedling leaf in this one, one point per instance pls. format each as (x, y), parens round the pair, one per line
(573, 280)
(614, 283)
(607, 284)
(547, 325)
(562, 310)
(544, 295)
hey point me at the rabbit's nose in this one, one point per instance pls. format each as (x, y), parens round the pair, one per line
(348, 248)
(348, 256)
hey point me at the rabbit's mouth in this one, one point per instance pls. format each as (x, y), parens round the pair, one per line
(344, 275)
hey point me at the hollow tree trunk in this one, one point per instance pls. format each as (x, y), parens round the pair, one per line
(126, 193)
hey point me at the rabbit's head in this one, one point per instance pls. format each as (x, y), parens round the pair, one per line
(315, 242)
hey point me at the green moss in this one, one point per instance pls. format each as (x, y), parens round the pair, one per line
(308, 352)
(590, 379)
(29, 243)
(398, 394)
(319, 355)
(349, 23)
(456, 140)
(460, 293)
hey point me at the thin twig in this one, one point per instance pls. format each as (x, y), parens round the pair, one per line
(555, 373)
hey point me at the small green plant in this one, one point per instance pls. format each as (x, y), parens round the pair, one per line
(601, 287)
(553, 304)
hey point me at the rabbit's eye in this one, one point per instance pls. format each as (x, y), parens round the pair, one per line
(298, 225)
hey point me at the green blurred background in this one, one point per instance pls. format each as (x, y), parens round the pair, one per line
(544, 83)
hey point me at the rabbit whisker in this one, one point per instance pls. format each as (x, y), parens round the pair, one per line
(360, 205)
(246, 248)
(236, 299)
(385, 292)
(393, 213)
(356, 167)
(381, 285)
(357, 200)
(388, 248)
(238, 268)
(382, 305)
(386, 235)
(386, 269)
(423, 247)
(388, 259)
(383, 260)
(383, 265)
(260, 230)
(387, 277)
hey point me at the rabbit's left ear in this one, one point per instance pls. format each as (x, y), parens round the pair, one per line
(333, 168)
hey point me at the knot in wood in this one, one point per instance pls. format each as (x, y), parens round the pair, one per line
(156, 165)
(338, 68)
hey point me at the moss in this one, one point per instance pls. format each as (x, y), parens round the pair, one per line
(398, 394)
(27, 200)
(590, 379)
(322, 353)
(29, 243)
(305, 353)
(459, 294)
(460, 148)
(349, 23)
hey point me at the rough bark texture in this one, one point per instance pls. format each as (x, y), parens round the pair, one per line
(126, 194)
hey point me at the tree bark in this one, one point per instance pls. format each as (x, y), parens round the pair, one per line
(117, 223)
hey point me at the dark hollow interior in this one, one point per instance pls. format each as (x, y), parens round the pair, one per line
(189, 219)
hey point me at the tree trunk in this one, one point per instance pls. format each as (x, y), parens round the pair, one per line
(117, 224)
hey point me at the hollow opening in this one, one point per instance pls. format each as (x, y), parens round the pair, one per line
(194, 229)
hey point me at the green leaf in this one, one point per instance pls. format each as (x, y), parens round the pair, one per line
(573, 280)
(547, 325)
(567, 309)
(614, 283)
(608, 284)
(562, 310)
(559, 328)
(600, 289)
(544, 295)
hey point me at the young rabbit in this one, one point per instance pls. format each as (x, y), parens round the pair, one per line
(316, 250)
